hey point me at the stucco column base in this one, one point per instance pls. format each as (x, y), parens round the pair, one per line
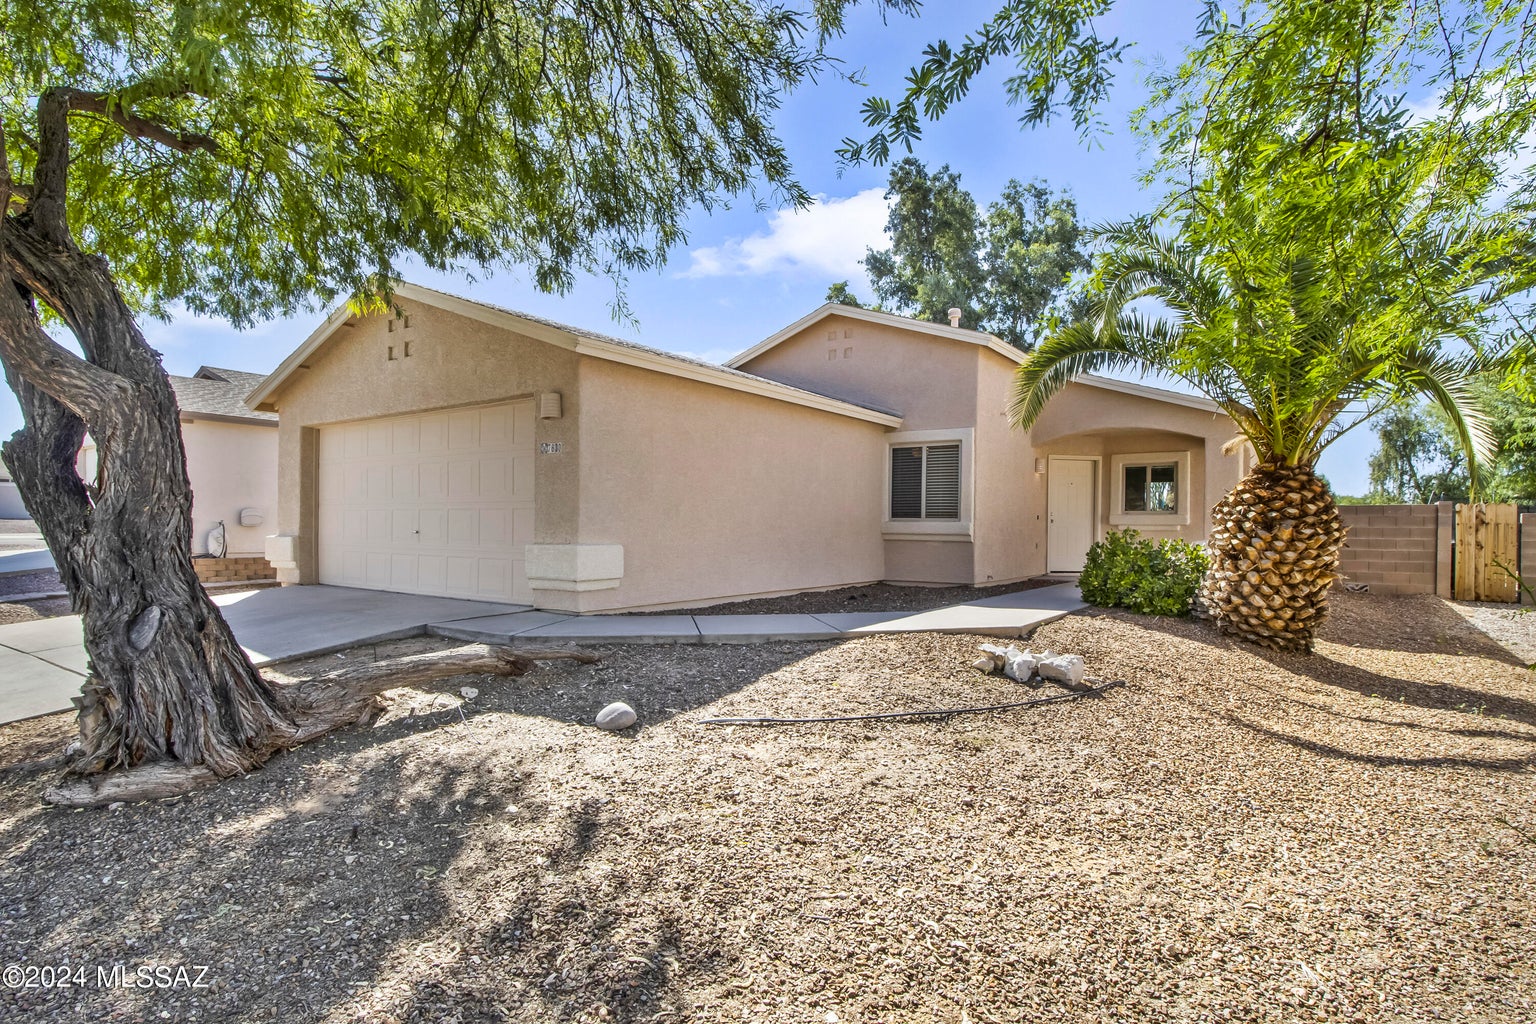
(281, 550)
(563, 576)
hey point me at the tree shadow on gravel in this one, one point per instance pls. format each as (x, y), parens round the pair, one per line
(1433, 696)
(321, 878)
(1398, 723)
(1411, 624)
(1448, 695)
(1519, 763)
(660, 681)
(303, 887)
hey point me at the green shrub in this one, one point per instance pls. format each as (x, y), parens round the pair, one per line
(1127, 570)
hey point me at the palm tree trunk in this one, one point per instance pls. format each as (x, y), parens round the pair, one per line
(1275, 543)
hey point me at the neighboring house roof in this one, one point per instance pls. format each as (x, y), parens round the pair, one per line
(964, 334)
(583, 342)
(984, 340)
(217, 394)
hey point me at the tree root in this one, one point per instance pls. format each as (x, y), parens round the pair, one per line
(318, 706)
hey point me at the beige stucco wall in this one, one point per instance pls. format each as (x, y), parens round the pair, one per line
(930, 381)
(1087, 420)
(715, 494)
(231, 466)
(937, 383)
(453, 361)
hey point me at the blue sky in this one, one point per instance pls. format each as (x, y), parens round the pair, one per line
(744, 273)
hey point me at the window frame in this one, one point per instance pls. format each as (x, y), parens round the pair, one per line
(1118, 516)
(931, 529)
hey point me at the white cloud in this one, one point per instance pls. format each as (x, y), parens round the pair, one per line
(827, 239)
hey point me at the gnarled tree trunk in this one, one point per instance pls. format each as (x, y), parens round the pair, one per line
(1275, 543)
(167, 682)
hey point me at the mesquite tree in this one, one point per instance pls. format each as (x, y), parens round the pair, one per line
(251, 157)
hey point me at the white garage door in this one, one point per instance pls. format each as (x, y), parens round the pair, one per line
(434, 503)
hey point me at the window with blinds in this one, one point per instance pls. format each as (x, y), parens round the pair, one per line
(925, 481)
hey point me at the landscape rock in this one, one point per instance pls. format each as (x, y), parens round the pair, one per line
(616, 716)
(1021, 665)
(1062, 668)
(985, 664)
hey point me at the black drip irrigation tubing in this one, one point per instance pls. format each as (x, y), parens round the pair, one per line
(925, 713)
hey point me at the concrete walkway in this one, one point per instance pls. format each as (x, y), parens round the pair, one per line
(43, 662)
(13, 562)
(1009, 615)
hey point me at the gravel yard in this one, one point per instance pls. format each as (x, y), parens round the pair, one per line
(1233, 836)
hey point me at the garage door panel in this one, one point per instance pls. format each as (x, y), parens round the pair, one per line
(434, 528)
(402, 571)
(402, 527)
(376, 528)
(405, 482)
(494, 479)
(406, 438)
(463, 430)
(437, 503)
(376, 565)
(495, 575)
(430, 577)
(495, 527)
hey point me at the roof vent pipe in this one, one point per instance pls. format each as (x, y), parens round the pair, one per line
(954, 317)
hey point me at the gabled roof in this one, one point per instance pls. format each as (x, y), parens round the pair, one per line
(981, 338)
(987, 341)
(583, 342)
(245, 379)
(219, 394)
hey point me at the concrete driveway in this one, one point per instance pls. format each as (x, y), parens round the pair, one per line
(43, 662)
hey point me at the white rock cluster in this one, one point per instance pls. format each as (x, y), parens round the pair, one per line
(1066, 669)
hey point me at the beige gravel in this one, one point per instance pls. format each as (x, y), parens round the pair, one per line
(1234, 836)
(1511, 626)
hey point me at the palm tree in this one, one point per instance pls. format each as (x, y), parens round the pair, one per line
(1296, 353)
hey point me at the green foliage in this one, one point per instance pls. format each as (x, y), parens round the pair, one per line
(840, 294)
(1126, 570)
(1296, 110)
(1064, 66)
(1008, 270)
(1417, 459)
(246, 157)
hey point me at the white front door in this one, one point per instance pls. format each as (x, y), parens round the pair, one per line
(434, 503)
(1072, 506)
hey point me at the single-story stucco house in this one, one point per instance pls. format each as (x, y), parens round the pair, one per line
(231, 462)
(455, 448)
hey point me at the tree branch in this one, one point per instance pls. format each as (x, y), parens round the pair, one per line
(28, 353)
(114, 109)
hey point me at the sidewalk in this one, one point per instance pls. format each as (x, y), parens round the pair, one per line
(43, 662)
(1009, 615)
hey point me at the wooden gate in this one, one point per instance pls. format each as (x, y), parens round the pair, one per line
(1486, 536)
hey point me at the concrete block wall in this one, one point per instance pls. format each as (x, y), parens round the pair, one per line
(233, 570)
(1394, 548)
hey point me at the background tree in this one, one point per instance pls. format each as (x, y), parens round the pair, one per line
(1008, 270)
(250, 158)
(840, 294)
(1327, 251)
(1418, 459)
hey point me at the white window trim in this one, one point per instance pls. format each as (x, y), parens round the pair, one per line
(932, 529)
(1117, 514)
